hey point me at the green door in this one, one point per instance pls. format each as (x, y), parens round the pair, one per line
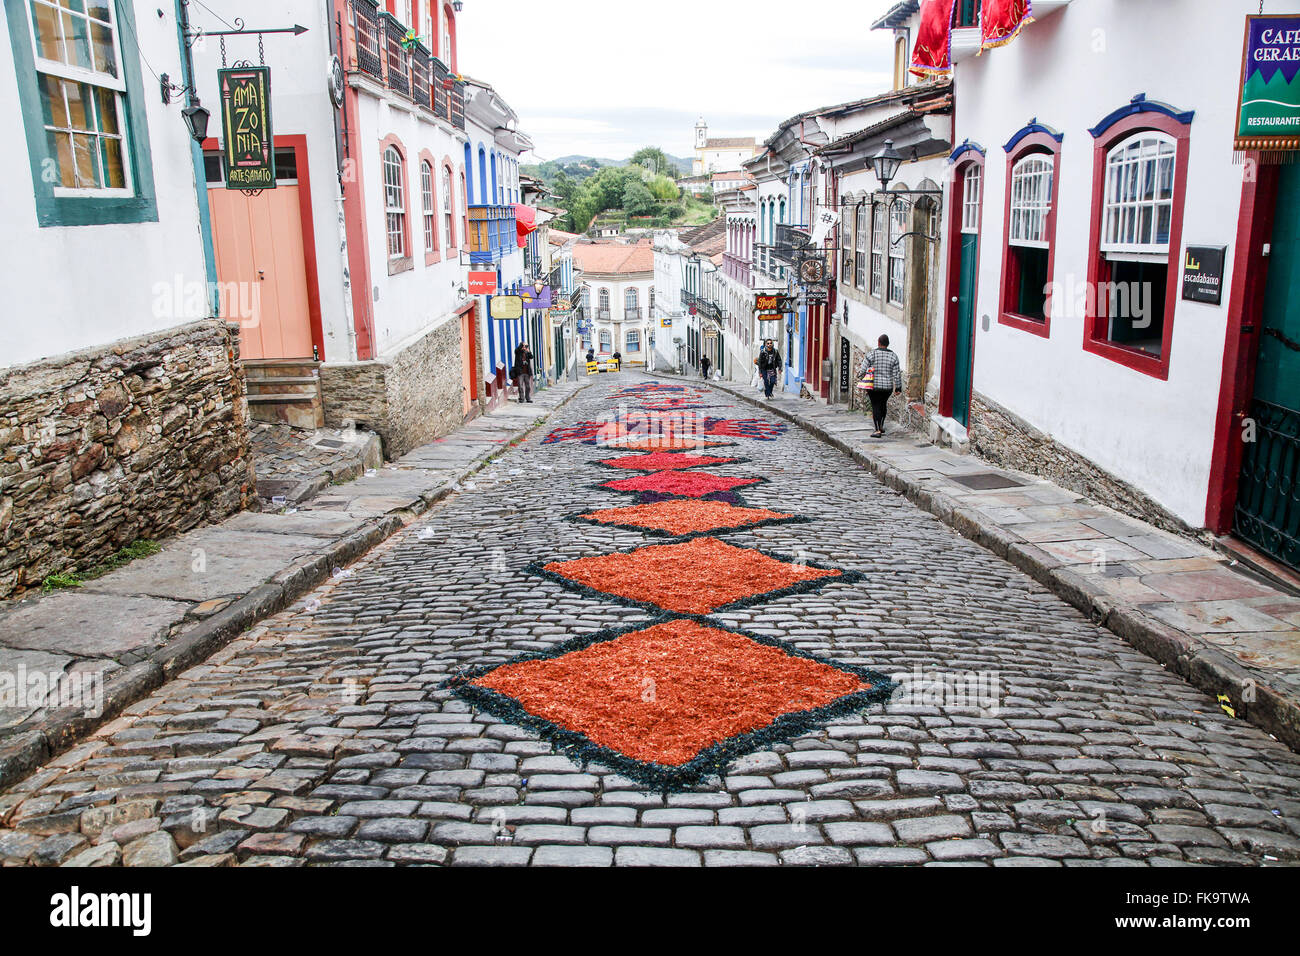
(961, 370)
(1268, 497)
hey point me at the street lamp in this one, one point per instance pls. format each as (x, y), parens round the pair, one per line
(886, 163)
(196, 118)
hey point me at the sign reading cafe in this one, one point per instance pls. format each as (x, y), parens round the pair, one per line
(246, 127)
(1269, 103)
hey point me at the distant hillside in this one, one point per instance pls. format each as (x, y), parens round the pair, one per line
(682, 164)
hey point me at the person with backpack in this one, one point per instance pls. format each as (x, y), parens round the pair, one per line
(882, 374)
(768, 362)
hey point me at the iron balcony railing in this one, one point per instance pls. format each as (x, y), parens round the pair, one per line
(789, 239)
(492, 233)
(632, 314)
(602, 315)
(415, 75)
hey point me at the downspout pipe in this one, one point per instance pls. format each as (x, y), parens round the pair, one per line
(196, 158)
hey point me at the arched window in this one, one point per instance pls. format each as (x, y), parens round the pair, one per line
(602, 304)
(864, 213)
(395, 202)
(448, 218)
(606, 340)
(633, 339)
(630, 300)
(482, 176)
(898, 213)
(464, 209)
(449, 38)
(1140, 172)
(1029, 237)
(848, 232)
(877, 248)
(972, 197)
(426, 193)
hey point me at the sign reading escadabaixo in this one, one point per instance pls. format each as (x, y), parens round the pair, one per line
(246, 126)
(1269, 103)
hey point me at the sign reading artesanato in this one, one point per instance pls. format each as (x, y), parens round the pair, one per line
(246, 127)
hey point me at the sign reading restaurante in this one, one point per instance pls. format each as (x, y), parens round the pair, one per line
(246, 126)
(1269, 103)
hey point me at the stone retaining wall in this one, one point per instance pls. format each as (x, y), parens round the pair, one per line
(408, 398)
(144, 438)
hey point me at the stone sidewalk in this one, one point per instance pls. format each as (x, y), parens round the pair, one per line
(114, 639)
(294, 465)
(1201, 614)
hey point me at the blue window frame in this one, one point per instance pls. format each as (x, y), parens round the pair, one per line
(77, 67)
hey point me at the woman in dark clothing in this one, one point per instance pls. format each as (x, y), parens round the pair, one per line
(888, 379)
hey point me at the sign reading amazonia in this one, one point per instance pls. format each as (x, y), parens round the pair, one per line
(1269, 104)
(246, 126)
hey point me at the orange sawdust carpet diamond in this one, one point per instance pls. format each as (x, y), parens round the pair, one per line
(691, 577)
(668, 692)
(682, 516)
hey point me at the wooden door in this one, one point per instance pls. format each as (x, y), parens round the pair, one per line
(963, 365)
(262, 269)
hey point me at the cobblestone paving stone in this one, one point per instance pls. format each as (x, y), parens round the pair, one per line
(322, 737)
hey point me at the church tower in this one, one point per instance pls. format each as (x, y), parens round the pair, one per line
(701, 134)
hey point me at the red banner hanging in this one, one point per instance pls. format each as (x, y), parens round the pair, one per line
(932, 55)
(1002, 20)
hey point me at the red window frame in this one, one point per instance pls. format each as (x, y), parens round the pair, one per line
(434, 255)
(397, 264)
(1042, 143)
(1099, 268)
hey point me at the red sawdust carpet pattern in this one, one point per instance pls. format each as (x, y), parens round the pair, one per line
(691, 577)
(690, 484)
(665, 461)
(664, 443)
(666, 693)
(684, 516)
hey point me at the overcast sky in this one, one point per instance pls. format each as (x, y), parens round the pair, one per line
(606, 77)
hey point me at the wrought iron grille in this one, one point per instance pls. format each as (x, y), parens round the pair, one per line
(458, 106)
(399, 68)
(420, 63)
(441, 94)
(365, 24)
(1268, 495)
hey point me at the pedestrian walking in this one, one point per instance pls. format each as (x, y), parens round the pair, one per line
(704, 366)
(618, 361)
(769, 362)
(522, 372)
(883, 375)
(591, 355)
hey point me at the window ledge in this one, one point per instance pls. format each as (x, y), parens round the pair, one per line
(398, 266)
(1023, 322)
(1139, 361)
(432, 258)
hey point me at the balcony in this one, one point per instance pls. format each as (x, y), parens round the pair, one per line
(737, 269)
(632, 315)
(492, 234)
(789, 240)
(602, 315)
(413, 75)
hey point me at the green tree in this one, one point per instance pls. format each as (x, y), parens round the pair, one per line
(637, 199)
(654, 159)
(663, 188)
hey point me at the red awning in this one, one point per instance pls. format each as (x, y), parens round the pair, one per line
(933, 53)
(525, 222)
(1001, 21)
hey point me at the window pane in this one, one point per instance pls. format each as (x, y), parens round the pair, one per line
(84, 148)
(76, 41)
(101, 38)
(60, 147)
(45, 22)
(114, 170)
(107, 103)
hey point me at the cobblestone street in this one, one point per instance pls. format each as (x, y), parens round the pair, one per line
(326, 734)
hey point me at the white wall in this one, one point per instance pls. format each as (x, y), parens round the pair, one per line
(73, 287)
(1070, 70)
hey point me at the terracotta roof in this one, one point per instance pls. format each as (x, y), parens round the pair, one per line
(559, 237)
(733, 142)
(731, 174)
(614, 258)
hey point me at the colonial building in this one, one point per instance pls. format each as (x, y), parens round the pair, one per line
(618, 293)
(122, 409)
(719, 154)
(1125, 322)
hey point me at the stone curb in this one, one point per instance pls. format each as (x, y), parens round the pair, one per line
(25, 750)
(1200, 664)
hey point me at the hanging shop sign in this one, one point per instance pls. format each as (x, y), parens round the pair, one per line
(764, 302)
(538, 297)
(666, 322)
(506, 307)
(844, 365)
(246, 127)
(1203, 273)
(334, 77)
(482, 283)
(1268, 106)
